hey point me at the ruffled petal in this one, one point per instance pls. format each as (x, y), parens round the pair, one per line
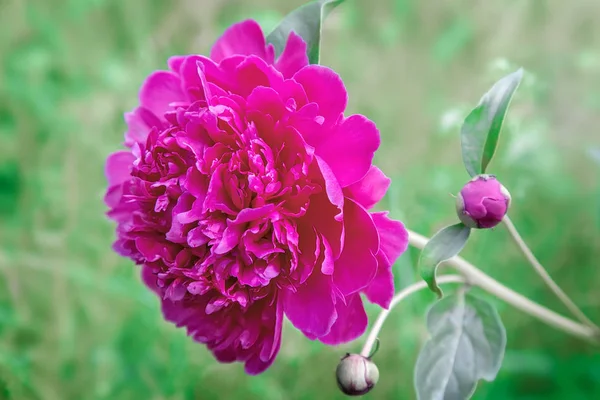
(311, 309)
(349, 149)
(381, 289)
(118, 167)
(243, 38)
(324, 87)
(294, 56)
(159, 90)
(370, 189)
(350, 324)
(393, 235)
(357, 265)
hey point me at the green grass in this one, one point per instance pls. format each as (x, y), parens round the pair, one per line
(75, 321)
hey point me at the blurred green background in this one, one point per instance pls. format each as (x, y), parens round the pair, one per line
(75, 321)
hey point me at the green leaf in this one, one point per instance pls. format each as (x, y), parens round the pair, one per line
(481, 130)
(307, 22)
(467, 344)
(444, 245)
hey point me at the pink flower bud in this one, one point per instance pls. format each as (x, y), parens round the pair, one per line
(356, 375)
(482, 202)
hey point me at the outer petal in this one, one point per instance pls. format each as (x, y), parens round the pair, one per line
(294, 56)
(349, 149)
(324, 87)
(370, 189)
(392, 235)
(351, 321)
(381, 289)
(357, 265)
(118, 167)
(263, 360)
(393, 242)
(175, 62)
(139, 123)
(311, 309)
(243, 38)
(161, 89)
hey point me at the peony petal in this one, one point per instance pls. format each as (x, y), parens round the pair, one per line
(351, 322)
(252, 214)
(357, 265)
(311, 308)
(328, 265)
(324, 87)
(255, 365)
(149, 278)
(349, 149)
(118, 167)
(370, 189)
(294, 56)
(217, 197)
(381, 289)
(243, 38)
(159, 90)
(325, 218)
(139, 124)
(175, 63)
(392, 235)
(332, 186)
(253, 72)
(267, 102)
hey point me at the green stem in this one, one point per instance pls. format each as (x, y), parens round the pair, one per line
(541, 271)
(473, 276)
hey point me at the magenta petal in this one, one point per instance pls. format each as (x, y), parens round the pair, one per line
(175, 62)
(357, 265)
(257, 364)
(266, 101)
(251, 214)
(149, 278)
(235, 228)
(324, 87)
(349, 149)
(243, 38)
(161, 89)
(118, 167)
(230, 239)
(370, 189)
(328, 265)
(311, 308)
(332, 186)
(139, 124)
(392, 235)
(217, 197)
(351, 321)
(294, 56)
(381, 289)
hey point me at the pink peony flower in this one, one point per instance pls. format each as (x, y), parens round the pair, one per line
(244, 196)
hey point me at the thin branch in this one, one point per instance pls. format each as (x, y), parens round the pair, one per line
(541, 271)
(404, 293)
(473, 276)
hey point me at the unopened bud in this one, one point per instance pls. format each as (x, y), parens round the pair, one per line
(482, 202)
(356, 375)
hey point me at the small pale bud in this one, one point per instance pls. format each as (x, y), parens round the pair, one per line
(356, 375)
(482, 202)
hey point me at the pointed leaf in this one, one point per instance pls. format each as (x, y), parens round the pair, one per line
(444, 245)
(481, 130)
(467, 343)
(306, 21)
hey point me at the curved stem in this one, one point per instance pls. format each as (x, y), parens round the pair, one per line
(541, 271)
(473, 276)
(404, 293)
